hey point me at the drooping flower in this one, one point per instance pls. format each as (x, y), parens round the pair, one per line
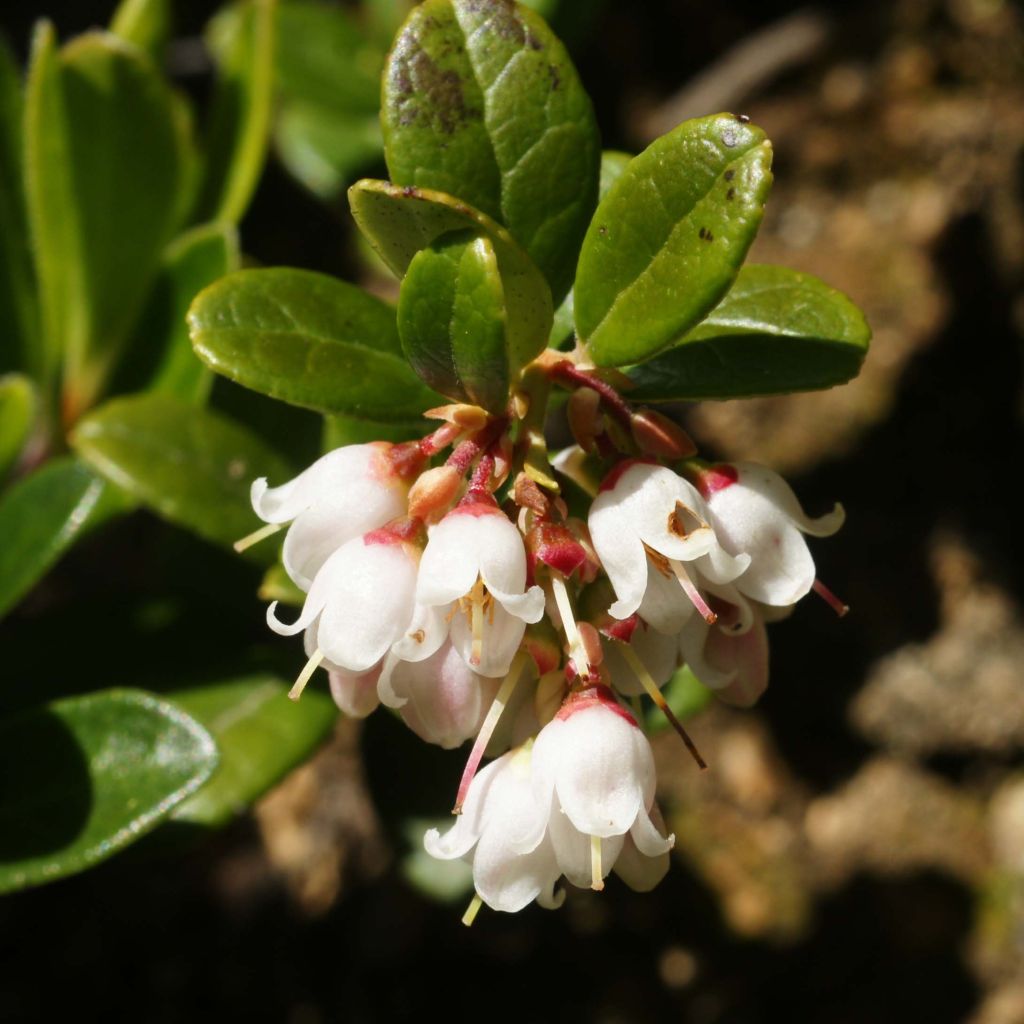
(647, 524)
(473, 577)
(344, 494)
(593, 780)
(500, 805)
(753, 510)
(361, 601)
(440, 698)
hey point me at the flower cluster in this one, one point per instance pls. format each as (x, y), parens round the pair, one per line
(463, 593)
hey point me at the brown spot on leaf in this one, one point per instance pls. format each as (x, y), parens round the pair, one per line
(729, 175)
(731, 194)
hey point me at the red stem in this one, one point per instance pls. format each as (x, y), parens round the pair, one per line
(567, 374)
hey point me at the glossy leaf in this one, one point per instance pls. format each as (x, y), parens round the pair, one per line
(192, 466)
(102, 178)
(86, 776)
(261, 736)
(399, 222)
(277, 585)
(308, 339)
(451, 317)
(341, 430)
(481, 101)
(242, 39)
(145, 24)
(17, 411)
(18, 310)
(776, 330)
(41, 516)
(191, 262)
(667, 240)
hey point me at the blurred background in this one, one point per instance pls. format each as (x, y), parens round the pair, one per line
(856, 853)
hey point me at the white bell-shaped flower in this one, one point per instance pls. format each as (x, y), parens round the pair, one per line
(500, 806)
(647, 524)
(657, 653)
(593, 773)
(473, 571)
(355, 693)
(344, 494)
(361, 600)
(753, 510)
(440, 698)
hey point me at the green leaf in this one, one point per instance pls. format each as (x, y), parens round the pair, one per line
(261, 736)
(40, 518)
(685, 694)
(613, 165)
(18, 310)
(399, 222)
(482, 101)
(451, 317)
(242, 38)
(191, 262)
(192, 466)
(667, 240)
(277, 585)
(17, 411)
(342, 430)
(145, 24)
(102, 177)
(87, 776)
(308, 339)
(775, 331)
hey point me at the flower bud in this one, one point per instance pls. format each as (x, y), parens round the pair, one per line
(433, 493)
(657, 435)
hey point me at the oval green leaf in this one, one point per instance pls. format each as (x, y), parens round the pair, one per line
(667, 240)
(87, 776)
(399, 222)
(310, 340)
(145, 24)
(17, 411)
(261, 736)
(242, 39)
(192, 466)
(342, 430)
(776, 331)
(41, 516)
(451, 317)
(482, 101)
(103, 171)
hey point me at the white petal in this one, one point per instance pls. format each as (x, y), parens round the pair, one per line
(355, 694)
(508, 881)
(692, 643)
(621, 552)
(649, 841)
(719, 566)
(528, 607)
(665, 605)
(640, 873)
(330, 473)
(573, 850)
(427, 631)
(658, 653)
(500, 639)
(451, 562)
(745, 659)
(469, 825)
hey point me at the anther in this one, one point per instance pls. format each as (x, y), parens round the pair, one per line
(839, 607)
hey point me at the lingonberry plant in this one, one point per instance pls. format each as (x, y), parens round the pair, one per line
(459, 573)
(439, 558)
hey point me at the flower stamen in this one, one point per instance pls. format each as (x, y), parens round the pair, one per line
(306, 674)
(472, 910)
(648, 683)
(577, 651)
(839, 607)
(257, 535)
(692, 592)
(596, 874)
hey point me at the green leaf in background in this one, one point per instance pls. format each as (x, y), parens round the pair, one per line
(261, 736)
(17, 411)
(342, 430)
(667, 240)
(328, 80)
(685, 694)
(613, 165)
(144, 23)
(191, 262)
(18, 310)
(776, 330)
(242, 39)
(42, 515)
(84, 777)
(277, 585)
(308, 339)
(102, 178)
(482, 101)
(451, 316)
(192, 466)
(399, 222)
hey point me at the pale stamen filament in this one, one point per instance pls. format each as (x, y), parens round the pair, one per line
(476, 604)
(692, 592)
(648, 683)
(306, 674)
(490, 723)
(572, 633)
(472, 910)
(596, 874)
(256, 536)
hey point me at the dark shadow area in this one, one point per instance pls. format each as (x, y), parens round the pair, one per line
(45, 790)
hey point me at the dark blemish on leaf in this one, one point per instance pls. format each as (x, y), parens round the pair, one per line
(533, 42)
(728, 138)
(729, 175)
(442, 90)
(502, 20)
(743, 119)
(708, 237)
(409, 190)
(703, 232)
(731, 194)
(556, 78)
